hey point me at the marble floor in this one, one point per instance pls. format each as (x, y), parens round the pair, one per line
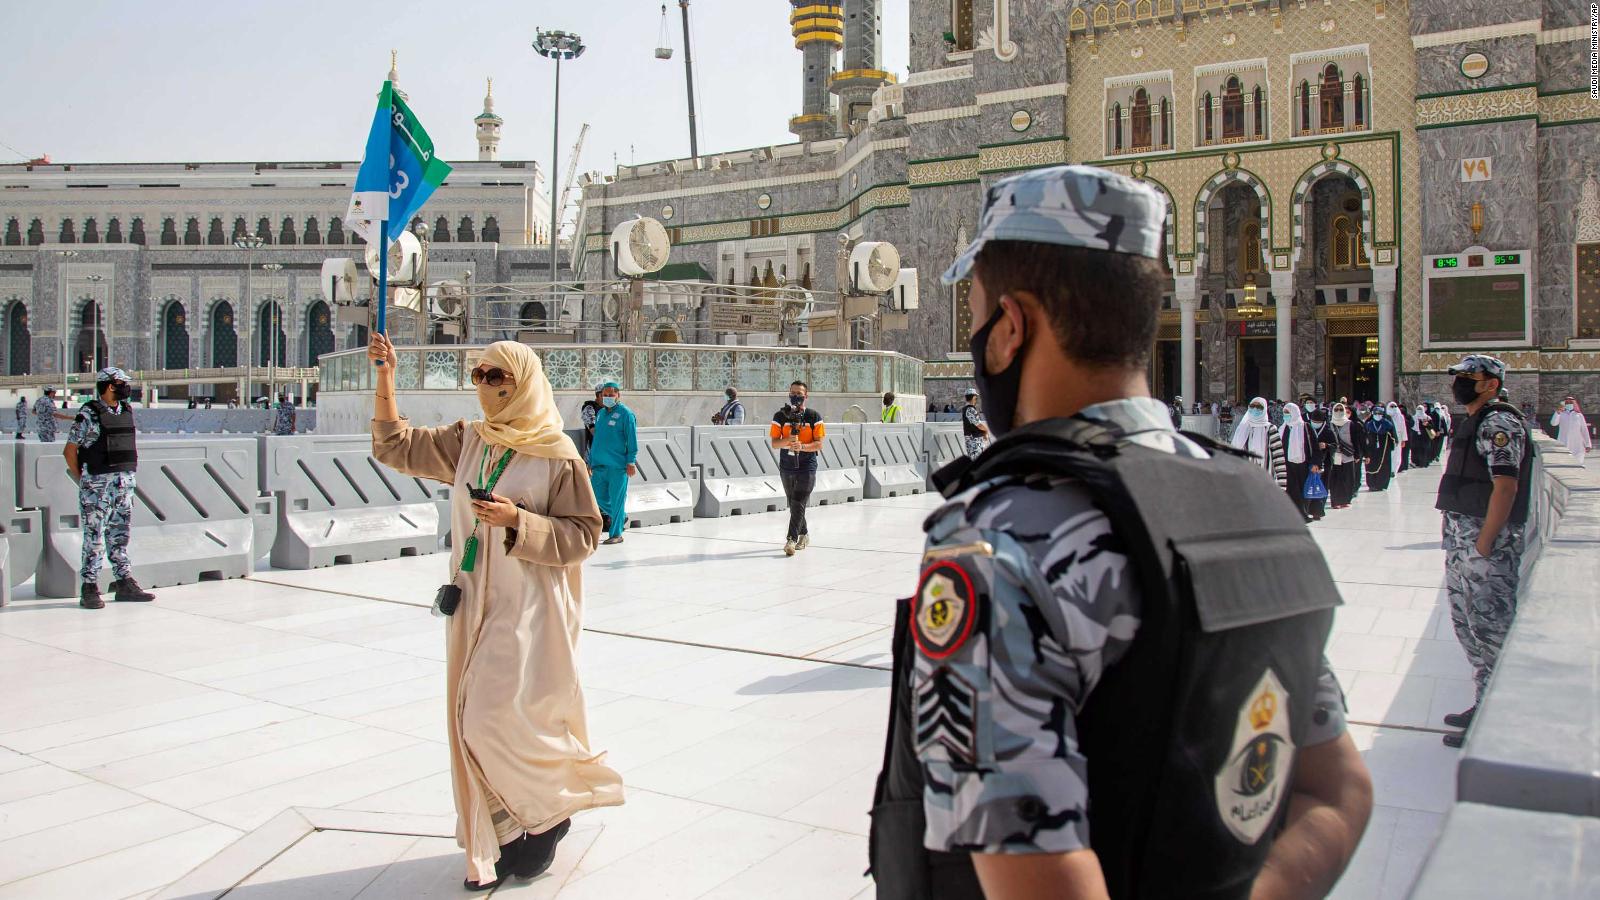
(282, 736)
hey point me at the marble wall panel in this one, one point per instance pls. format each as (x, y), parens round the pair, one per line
(939, 222)
(1429, 16)
(1565, 13)
(1039, 31)
(1563, 66)
(1566, 154)
(930, 19)
(937, 140)
(1511, 61)
(1510, 219)
(1048, 116)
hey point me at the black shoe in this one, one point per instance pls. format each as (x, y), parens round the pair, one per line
(471, 885)
(90, 597)
(1461, 719)
(538, 851)
(1455, 739)
(128, 591)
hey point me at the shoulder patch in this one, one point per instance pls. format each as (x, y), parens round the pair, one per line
(1501, 439)
(945, 611)
(1254, 777)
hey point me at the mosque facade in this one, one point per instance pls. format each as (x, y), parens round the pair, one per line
(135, 264)
(1359, 190)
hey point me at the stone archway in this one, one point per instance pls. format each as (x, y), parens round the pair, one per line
(1203, 199)
(1302, 190)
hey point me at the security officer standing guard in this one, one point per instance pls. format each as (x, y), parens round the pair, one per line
(1098, 690)
(101, 457)
(891, 410)
(22, 416)
(1484, 496)
(283, 421)
(46, 414)
(974, 430)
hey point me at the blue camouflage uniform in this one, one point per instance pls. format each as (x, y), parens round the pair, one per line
(44, 411)
(22, 416)
(283, 419)
(105, 505)
(616, 446)
(1063, 608)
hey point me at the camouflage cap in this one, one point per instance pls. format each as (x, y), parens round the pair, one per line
(1074, 206)
(110, 373)
(1480, 362)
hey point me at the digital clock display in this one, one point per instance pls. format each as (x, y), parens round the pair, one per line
(1507, 259)
(1445, 262)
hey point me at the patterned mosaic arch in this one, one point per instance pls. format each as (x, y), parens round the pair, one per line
(1302, 189)
(1172, 219)
(1216, 183)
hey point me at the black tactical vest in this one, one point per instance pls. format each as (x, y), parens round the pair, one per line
(1234, 592)
(968, 428)
(1467, 482)
(115, 450)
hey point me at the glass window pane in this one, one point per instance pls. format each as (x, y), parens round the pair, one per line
(862, 372)
(789, 368)
(754, 371)
(602, 364)
(408, 375)
(714, 370)
(674, 370)
(441, 370)
(826, 375)
(563, 368)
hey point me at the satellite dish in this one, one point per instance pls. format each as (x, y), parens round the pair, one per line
(339, 281)
(640, 246)
(874, 267)
(405, 260)
(450, 296)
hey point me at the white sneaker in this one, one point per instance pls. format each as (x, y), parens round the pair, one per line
(803, 542)
(788, 548)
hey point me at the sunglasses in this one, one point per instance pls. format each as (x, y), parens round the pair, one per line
(491, 377)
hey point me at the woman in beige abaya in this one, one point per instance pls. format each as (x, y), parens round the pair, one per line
(520, 762)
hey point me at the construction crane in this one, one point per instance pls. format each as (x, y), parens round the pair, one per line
(572, 170)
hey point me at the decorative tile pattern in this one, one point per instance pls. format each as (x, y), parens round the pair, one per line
(602, 364)
(714, 370)
(754, 371)
(408, 375)
(1575, 107)
(827, 373)
(789, 367)
(1031, 155)
(563, 368)
(943, 171)
(640, 367)
(1460, 109)
(441, 370)
(674, 370)
(861, 373)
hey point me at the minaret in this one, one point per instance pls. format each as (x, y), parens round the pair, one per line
(818, 27)
(488, 127)
(863, 63)
(394, 74)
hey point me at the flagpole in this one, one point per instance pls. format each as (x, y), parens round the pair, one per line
(383, 276)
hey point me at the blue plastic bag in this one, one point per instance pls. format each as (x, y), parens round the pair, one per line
(1315, 489)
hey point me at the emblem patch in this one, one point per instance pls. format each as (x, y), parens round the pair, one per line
(947, 606)
(946, 704)
(1253, 780)
(1501, 439)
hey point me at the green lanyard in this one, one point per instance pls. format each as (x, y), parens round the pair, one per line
(469, 552)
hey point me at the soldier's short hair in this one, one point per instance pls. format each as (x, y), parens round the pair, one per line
(1102, 305)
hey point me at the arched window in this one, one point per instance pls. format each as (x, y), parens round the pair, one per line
(1141, 120)
(532, 315)
(961, 28)
(1345, 248)
(441, 230)
(224, 336)
(1115, 126)
(35, 233)
(14, 233)
(271, 342)
(464, 231)
(240, 229)
(1232, 109)
(264, 230)
(1250, 246)
(319, 332)
(286, 231)
(1260, 103)
(19, 341)
(68, 234)
(1332, 99)
(1205, 116)
(91, 231)
(169, 233)
(1166, 123)
(175, 337)
(191, 232)
(335, 230)
(214, 234)
(114, 231)
(1305, 106)
(90, 348)
(136, 232)
(491, 230)
(1360, 101)
(312, 235)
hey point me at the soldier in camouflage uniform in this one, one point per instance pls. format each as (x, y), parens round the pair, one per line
(1028, 596)
(22, 416)
(45, 414)
(1484, 500)
(283, 421)
(101, 458)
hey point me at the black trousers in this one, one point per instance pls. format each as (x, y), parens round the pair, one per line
(797, 486)
(1343, 483)
(1296, 487)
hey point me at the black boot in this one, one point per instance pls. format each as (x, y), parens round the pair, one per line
(90, 597)
(128, 591)
(1461, 719)
(1455, 739)
(539, 851)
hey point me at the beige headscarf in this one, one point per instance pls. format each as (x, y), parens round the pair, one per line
(530, 422)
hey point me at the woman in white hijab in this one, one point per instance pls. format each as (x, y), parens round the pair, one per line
(1572, 428)
(1303, 456)
(1398, 419)
(1348, 444)
(1256, 434)
(520, 761)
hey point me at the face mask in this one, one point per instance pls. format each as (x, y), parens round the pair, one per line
(1465, 390)
(1339, 418)
(731, 395)
(493, 399)
(999, 390)
(797, 400)
(121, 391)
(1572, 407)
(610, 402)
(1257, 413)
(1311, 407)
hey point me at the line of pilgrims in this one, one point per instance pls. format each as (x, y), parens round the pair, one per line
(1344, 445)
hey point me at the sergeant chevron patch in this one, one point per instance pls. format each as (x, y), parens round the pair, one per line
(945, 707)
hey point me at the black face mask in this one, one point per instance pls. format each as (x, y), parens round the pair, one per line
(999, 390)
(121, 391)
(1465, 390)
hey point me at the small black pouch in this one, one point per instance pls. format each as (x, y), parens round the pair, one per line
(446, 601)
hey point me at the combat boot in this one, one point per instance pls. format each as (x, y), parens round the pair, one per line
(1461, 719)
(90, 598)
(128, 591)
